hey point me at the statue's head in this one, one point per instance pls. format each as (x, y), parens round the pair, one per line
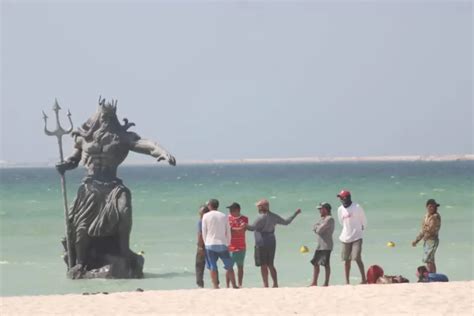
(107, 111)
(104, 119)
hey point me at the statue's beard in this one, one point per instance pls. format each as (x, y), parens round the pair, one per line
(104, 129)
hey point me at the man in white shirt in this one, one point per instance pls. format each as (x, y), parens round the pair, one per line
(352, 218)
(216, 236)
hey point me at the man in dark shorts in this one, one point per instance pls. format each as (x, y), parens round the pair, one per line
(323, 229)
(265, 242)
(201, 251)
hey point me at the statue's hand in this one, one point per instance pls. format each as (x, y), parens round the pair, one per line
(62, 167)
(168, 157)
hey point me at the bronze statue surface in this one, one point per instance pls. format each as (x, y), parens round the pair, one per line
(100, 219)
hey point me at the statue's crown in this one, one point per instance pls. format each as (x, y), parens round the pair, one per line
(109, 106)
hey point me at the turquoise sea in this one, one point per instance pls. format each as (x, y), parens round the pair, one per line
(166, 200)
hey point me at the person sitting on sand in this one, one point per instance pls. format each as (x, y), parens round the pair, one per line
(265, 242)
(424, 275)
(352, 218)
(216, 236)
(323, 229)
(430, 234)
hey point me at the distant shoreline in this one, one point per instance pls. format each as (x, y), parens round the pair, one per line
(412, 158)
(469, 157)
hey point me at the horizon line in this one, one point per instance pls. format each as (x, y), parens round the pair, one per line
(314, 159)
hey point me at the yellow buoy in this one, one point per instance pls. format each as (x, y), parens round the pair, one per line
(390, 244)
(304, 249)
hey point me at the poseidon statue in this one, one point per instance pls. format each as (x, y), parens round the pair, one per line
(100, 218)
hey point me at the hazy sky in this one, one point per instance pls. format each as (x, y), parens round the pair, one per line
(243, 79)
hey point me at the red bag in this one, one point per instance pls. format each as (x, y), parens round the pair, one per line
(373, 273)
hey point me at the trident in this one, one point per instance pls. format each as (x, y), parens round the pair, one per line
(59, 132)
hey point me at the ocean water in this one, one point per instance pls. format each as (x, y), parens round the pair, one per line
(166, 200)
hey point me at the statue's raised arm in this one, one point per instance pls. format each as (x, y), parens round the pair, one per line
(148, 147)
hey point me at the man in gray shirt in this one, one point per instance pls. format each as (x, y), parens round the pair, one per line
(265, 242)
(323, 229)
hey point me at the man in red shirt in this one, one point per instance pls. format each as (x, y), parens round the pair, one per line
(237, 223)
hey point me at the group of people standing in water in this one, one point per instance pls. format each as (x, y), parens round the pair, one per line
(222, 236)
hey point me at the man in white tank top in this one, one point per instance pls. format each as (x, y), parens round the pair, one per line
(216, 235)
(352, 218)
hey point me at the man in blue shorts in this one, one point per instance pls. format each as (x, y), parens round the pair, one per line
(216, 235)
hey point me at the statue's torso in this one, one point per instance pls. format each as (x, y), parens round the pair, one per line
(102, 157)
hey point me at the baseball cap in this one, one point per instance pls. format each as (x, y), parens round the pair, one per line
(431, 202)
(234, 206)
(343, 194)
(325, 205)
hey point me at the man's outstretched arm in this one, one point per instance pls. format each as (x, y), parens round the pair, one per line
(257, 225)
(280, 220)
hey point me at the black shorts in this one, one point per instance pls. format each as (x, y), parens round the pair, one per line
(321, 257)
(264, 255)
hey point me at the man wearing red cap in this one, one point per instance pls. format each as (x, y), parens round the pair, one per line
(352, 218)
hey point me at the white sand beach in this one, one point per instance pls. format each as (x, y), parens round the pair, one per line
(453, 298)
